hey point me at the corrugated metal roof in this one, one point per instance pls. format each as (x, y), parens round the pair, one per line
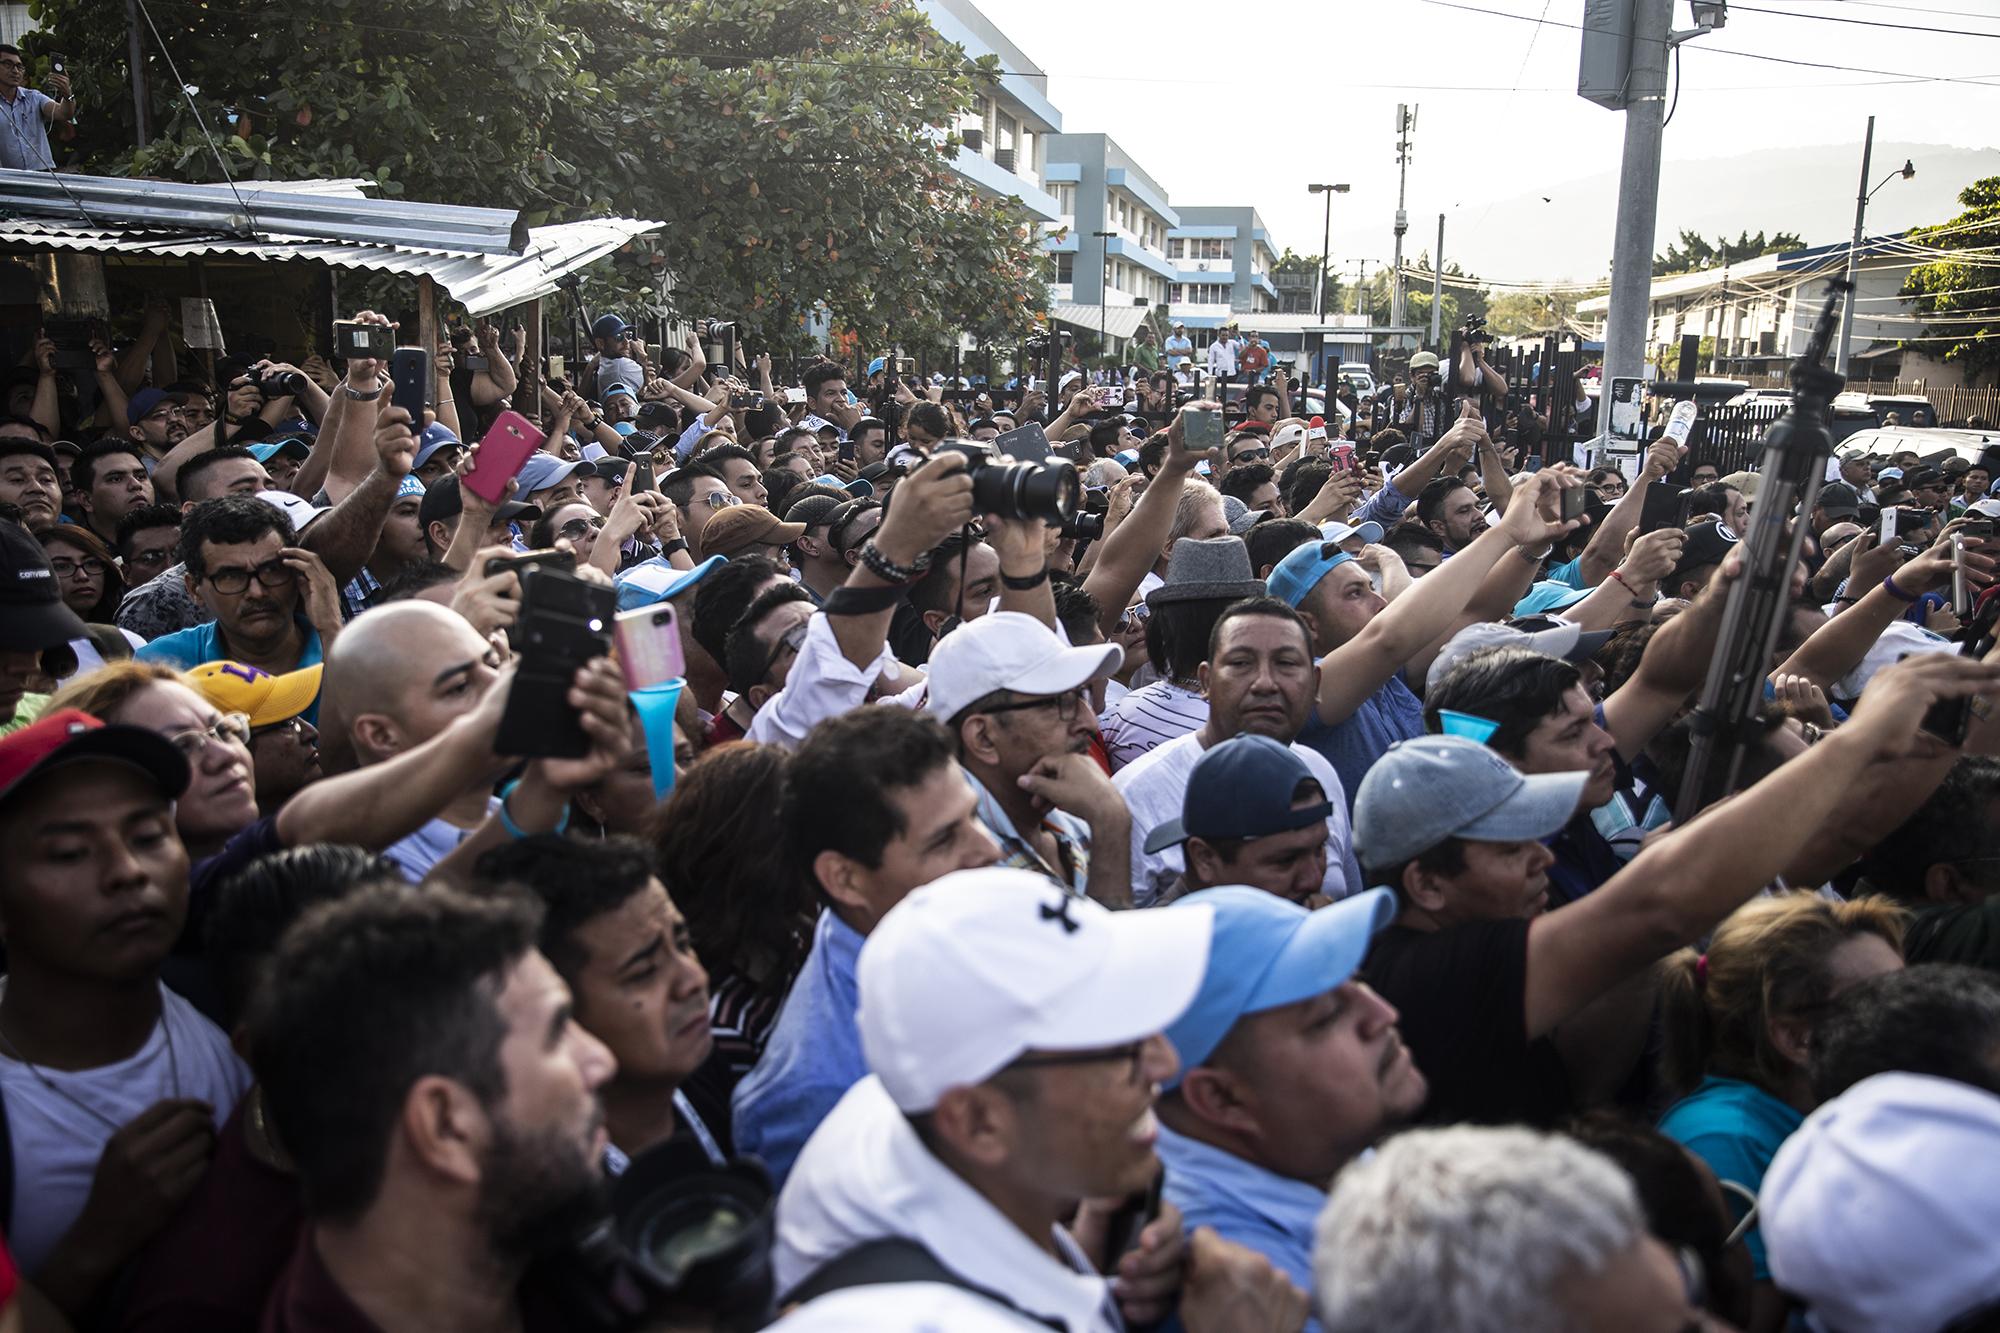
(483, 283)
(1120, 321)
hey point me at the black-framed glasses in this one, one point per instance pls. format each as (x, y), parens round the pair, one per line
(1251, 456)
(272, 574)
(1065, 704)
(578, 528)
(1132, 1053)
(90, 565)
(793, 638)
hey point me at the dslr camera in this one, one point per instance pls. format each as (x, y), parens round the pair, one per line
(1475, 330)
(274, 383)
(1047, 490)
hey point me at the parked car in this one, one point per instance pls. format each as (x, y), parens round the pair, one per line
(1888, 441)
(1911, 409)
(1359, 375)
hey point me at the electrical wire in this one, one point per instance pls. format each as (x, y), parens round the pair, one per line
(1865, 23)
(1674, 105)
(200, 123)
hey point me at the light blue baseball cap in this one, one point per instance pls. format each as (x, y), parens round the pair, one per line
(542, 471)
(1294, 577)
(292, 447)
(1267, 952)
(1549, 595)
(1425, 790)
(655, 580)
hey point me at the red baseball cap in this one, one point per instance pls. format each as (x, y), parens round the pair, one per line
(73, 735)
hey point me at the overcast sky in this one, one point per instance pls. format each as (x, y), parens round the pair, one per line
(1231, 103)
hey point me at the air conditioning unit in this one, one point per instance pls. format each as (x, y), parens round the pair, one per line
(975, 138)
(1003, 158)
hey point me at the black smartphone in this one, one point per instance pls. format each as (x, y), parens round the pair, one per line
(1131, 1220)
(565, 622)
(742, 400)
(1574, 501)
(410, 378)
(846, 451)
(58, 64)
(1977, 529)
(1950, 719)
(528, 560)
(352, 340)
(1664, 506)
(642, 476)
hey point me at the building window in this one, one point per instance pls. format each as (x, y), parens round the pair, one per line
(1065, 267)
(1174, 244)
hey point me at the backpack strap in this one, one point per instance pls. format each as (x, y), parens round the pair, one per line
(893, 1259)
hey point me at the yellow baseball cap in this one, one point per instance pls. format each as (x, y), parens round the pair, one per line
(265, 698)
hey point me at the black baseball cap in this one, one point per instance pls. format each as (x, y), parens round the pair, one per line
(1707, 544)
(443, 500)
(32, 614)
(1839, 500)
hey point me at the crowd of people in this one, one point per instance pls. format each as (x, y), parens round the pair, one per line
(1240, 886)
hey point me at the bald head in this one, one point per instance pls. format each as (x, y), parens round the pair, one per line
(399, 674)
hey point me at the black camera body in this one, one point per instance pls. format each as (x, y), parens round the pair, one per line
(277, 383)
(1047, 490)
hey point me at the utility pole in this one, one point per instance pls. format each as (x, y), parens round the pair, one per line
(1638, 200)
(1103, 285)
(1437, 287)
(1325, 243)
(135, 56)
(1861, 198)
(1406, 125)
(1360, 281)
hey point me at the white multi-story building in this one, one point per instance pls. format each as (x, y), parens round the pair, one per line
(1006, 136)
(1110, 280)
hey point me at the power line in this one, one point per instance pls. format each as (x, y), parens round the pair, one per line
(1972, 80)
(1865, 23)
(1902, 9)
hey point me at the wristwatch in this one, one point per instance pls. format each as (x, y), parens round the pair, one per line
(360, 397)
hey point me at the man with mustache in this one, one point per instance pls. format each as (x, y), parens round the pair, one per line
(1016, 701)
(622, 948)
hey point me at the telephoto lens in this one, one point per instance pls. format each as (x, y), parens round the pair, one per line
(1047, 490)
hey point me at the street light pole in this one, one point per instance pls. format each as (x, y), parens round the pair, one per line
(1103, 286)
(1861, 198)
(1325, 243)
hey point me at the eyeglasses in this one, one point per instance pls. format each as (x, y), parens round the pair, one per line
(1132, 1053)
(297, 728)
(721, 499)
(578, 528)
(145, 557)
(271, 574)
(229, 728)
(90, 565)
(11, 64)
(1251, 456)
(793, 638)
(1065, 704)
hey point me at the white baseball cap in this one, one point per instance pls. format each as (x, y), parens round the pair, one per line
(973, 970)
(298, 509)
(1007, 650)
(1881, 1210)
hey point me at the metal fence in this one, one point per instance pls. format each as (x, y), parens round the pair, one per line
(1956, 404)
(1731, 437)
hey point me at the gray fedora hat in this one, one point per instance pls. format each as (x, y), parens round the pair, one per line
(1218, 567)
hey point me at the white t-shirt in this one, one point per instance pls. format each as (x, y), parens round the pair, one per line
(56, 1143)
(1154, 787)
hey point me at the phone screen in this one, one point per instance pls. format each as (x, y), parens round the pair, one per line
(1202, 429)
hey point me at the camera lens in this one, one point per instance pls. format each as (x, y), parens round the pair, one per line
(1048, 491)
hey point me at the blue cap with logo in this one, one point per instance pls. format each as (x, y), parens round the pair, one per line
(1294, 577)
(1267, 952)
(1242, 788)
(435, 437)
(1425, 790)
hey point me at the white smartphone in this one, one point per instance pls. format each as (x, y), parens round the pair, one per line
(649, 646)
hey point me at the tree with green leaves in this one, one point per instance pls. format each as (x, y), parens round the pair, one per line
(1957, 292)
(1693, 252)
(797, 151)
(1528, 313)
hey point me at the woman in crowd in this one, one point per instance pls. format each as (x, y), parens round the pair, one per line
(1738, 1023)
(724, 865)
(86, 571)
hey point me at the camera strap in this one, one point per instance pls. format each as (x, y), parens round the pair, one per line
(889, 1260)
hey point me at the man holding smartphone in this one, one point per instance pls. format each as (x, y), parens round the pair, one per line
(26, 113)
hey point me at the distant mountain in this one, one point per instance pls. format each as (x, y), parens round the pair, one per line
(1805, 190)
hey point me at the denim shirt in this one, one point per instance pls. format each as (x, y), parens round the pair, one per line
(1257, 1209)
(812, 1058)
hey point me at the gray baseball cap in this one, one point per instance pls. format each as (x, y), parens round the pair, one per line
(1425, 790)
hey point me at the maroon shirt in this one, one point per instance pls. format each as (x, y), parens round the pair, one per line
(212, 1267)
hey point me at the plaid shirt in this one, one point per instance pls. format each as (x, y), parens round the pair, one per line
(1072, 837)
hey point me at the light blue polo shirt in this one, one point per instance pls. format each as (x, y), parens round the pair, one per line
(813, 1055)
(1255, 1208)
(189, 648)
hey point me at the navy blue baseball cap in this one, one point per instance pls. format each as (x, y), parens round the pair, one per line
(435, 437)
(1242, 788)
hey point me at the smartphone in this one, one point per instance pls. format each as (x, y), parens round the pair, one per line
(1573, 502)
(58, 64)
(410, 381)
(1977, 529)
(1664, 506)
(352, 340)
(564, 623)
(846, 451)
(502, 451)
(1130, 1221)
(555, 368)
(1342, 455)
(474, 361)
(1111, 395)
(1900, 523)
(1201, 429)
(741, 400)
(1025, 444)
(1961, 594)
(1950, 719)
(528, 560)
(649, 646)
(642, 476)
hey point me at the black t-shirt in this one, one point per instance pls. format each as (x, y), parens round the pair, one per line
(1462, 993)
(1966, 933)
